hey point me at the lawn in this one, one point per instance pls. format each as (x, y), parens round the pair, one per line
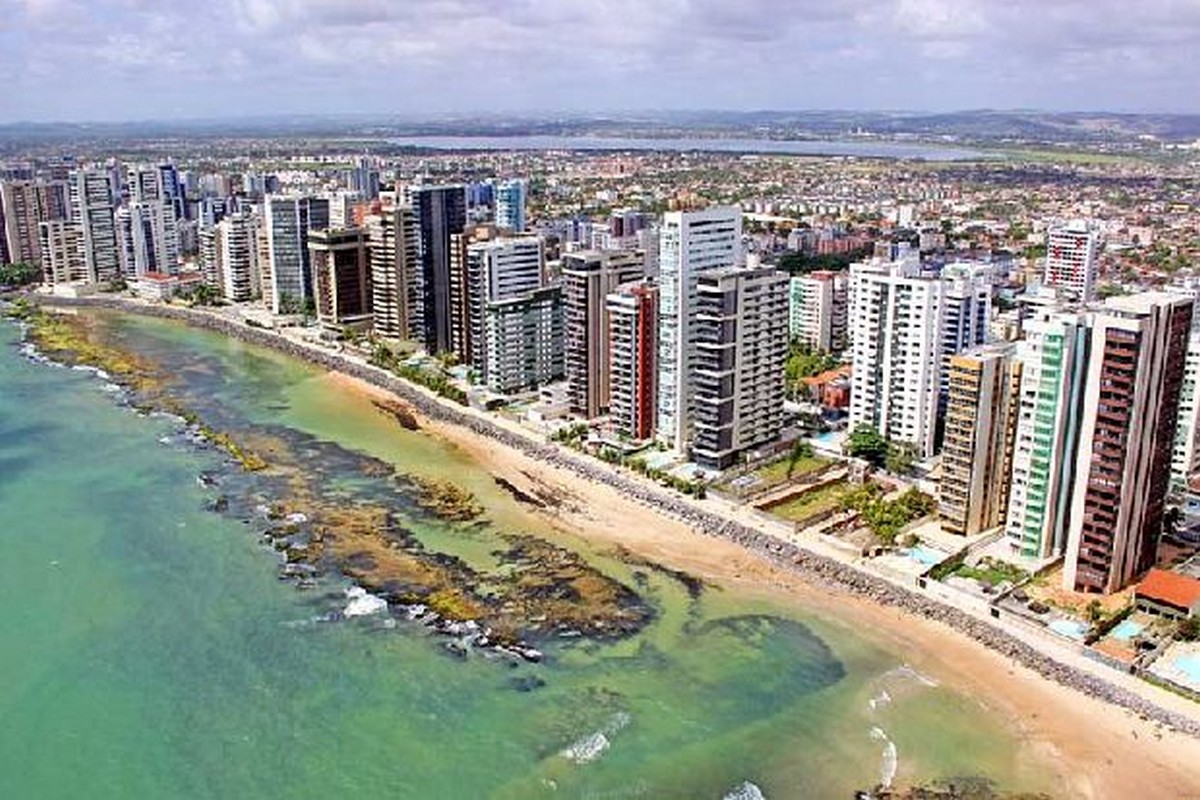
(992, 572)
(777, 471)
(812, 502)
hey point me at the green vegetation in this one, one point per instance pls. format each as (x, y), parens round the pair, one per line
(801, 264)
(805, 362)
(19, 274)
(899, 458)
(885, 518)
(868, 444)
(815, 501)
(1187, 629)
(202, 294)
(437, 382)
(799, 462)
(991, 572)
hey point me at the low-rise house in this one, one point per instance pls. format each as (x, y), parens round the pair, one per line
(1168, 594)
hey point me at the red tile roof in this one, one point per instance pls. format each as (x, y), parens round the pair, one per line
(1170, 588)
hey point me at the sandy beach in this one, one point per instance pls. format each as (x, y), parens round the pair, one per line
(1100, 750)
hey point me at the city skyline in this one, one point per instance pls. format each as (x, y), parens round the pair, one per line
(245, 57)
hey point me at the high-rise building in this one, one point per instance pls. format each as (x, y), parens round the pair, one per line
(62, 252)
(23, 206)
(91, 199)
(1138, 346)
(1072, 252)
(817, 307)
(981, 422)
(464, 296)
(896, 316)
(1185, 456)
(523, 341)
(633, 359)
(236, 254)
(288, 221)
(341, 276)
(392, 235)
(1053, 359)
(148, 238)
(363, 178)
(510, 205)
(967, 310)
(587, 278)
(499, 271)
(690, 243)
(440, 211)
(740, 335)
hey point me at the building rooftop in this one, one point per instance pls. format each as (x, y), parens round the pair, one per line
(1170, 588)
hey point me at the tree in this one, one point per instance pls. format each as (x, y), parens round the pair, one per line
(19, 274)
(1188, 629)
(868, 444)
(901, 458)
(800, 450)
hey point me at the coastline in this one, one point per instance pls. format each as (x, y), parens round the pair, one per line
(1099, 735)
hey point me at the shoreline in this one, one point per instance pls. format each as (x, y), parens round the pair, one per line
(734, 551)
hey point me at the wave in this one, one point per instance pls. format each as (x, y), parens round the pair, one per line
(891, 758)
(587, 749)
(745, 791)
(362, 603)
(906, 671)
(592, 746)
(880, 700)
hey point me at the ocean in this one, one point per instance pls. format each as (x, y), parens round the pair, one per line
(149, 649)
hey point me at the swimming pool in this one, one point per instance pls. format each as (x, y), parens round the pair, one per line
(924, 555)
(1186, 664)
(1127, 629)
(1070, 628)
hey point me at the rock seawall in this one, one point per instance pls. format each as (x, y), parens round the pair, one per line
(811, 566)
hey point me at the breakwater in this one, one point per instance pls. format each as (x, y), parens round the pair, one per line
(813, 567)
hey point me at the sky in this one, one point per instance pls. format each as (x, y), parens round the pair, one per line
(112, 60)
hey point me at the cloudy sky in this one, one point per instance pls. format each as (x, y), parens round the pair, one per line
(160, 59)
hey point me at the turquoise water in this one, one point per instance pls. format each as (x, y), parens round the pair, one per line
(925, 556)
(1070, 628)
(1126, 630)
(149, 650)
(1187, 664)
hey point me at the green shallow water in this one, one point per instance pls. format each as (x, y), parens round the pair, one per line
(147, 649)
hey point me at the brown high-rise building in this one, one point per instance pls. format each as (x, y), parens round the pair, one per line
(392, 236)
(341, 276)
(981, 422)
(587, 278)
(1137, 348)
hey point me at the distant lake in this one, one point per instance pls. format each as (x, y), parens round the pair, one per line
(855, 149)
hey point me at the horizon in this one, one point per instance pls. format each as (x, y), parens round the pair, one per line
(106, 61)
(549, 115)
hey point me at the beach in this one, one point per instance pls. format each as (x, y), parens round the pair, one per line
(1103, 751)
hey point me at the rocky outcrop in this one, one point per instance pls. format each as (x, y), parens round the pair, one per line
(812, 566)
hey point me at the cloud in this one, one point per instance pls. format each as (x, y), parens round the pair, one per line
(138, 58)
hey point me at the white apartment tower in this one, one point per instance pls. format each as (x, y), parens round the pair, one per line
(897, 317)
(1072, 251)
(91, 201)
(690, 243)
(817, 306)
